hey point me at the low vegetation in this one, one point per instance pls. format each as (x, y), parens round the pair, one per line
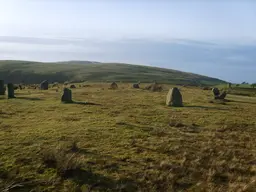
(36, 72)
(131, 141)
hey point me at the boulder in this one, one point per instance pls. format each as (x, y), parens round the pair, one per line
(72, 86)
(174, 98)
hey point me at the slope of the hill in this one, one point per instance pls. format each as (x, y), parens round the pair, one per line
(35, 72)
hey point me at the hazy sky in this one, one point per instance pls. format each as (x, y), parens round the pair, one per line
(228, 22)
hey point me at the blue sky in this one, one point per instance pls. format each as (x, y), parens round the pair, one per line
(215, 38)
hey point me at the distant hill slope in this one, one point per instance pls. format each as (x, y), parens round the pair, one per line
(35, 72)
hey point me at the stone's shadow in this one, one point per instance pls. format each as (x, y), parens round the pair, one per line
(30, 98)
(84, 151)
(248, 102)
(203, 107)
(99, 182)
(81, 103)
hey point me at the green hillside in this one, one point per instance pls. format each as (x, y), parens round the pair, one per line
(35, 72)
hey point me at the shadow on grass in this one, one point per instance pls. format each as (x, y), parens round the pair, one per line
(97, 182)
(81, 103)
(30, 98)
(204, 107)
(248, 102)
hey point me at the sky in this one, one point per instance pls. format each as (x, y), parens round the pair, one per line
(215, 38)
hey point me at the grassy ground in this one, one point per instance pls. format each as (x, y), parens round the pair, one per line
(130, 142)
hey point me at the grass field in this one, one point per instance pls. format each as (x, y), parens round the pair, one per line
(131, 141)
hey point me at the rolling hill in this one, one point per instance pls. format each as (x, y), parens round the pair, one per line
(77, 71)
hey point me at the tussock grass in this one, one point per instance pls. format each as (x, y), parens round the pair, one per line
(131, 142)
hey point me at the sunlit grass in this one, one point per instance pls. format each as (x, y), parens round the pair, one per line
(130, 142)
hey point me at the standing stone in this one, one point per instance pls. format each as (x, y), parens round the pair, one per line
(223, 95)
(216, 92)
(10, 90)
(44, 85)
(113, 85)
(229, 85)
(67, 96)
(136, 86)
(2, 88)
(174, 98)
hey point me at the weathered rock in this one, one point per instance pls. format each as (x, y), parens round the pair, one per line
(20, 87)
(55, 84)
(222, 95)
(216, 92)
(72, 86)
(44, 85)
(15, 87)
(66, 83)
(10, 88)
(154, 87)
(136, 86)
(113, 85)
(174, 98)
(2, 88)
(67, 96)
(206, 88)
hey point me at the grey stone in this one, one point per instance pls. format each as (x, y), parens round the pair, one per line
(174, 98)
(136, 86)
(44, 85)
(113, 85)
(2, 88)
(222, 95)
(67, 96)
(10, 90)
(216, 92)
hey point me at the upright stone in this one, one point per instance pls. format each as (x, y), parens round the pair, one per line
(44, 85)
(2, 88)
(174, 98)
(10, 90)
(67, 96)
(136, 86)
(216, 92)
(223, 95)
(113, 85)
